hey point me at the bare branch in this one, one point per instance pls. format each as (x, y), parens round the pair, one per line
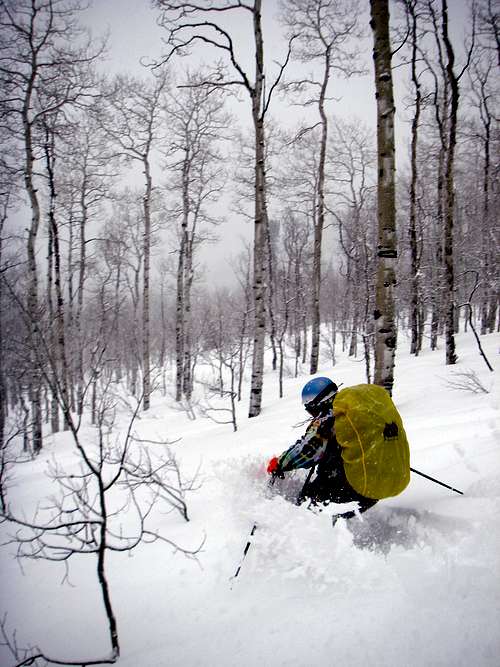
(279, 76)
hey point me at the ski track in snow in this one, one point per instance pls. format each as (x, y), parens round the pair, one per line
(414, 581)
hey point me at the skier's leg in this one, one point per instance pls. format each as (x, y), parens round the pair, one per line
(332, 487)
(363, 505)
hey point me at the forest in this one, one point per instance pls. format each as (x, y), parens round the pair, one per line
(116, 189)
(112, 186)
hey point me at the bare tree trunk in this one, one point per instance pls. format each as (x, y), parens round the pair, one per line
(442, 121)
(486, 219)
(259, 222)
(180, 326)
(80, 381)
(52, 402)
(319, 219)
(297, 311)
(488, 251)
(304, 335)
(163, 340)
(117, 328)
(187, 377)
(353, 346)
(232, 396)
(270, 295)
(179, 320)
(136, 356)
(3, 388)
(451, 357)
(437, 293)
(367, 333)
(385, 325)
(71, 313)
(241, 352)
(415, 282)
(101, 571)
(243, 348)
(284, 316)
(146, 370)
(34, 379)
(59, 360)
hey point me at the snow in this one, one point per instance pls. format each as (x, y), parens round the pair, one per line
(414, 581)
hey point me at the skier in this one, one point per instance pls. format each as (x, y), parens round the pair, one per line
(319, 446)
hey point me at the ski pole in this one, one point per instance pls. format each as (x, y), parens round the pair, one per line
(254, 527)
(245, 551)
(247, 545)
(436, 480)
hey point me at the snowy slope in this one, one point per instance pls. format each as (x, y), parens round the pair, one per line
(415, 582)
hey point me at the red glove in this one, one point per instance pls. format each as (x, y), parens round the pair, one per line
(273, 466)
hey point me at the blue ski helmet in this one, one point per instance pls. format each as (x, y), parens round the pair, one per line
(317, 390)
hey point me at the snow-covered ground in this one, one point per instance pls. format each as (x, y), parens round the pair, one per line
(415, 581)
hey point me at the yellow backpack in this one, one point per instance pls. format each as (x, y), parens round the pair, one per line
(375, 449)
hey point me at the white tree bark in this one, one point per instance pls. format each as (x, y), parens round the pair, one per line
(385, 325)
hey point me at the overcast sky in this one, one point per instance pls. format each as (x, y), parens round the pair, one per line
(134, 35)
(132, 27)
